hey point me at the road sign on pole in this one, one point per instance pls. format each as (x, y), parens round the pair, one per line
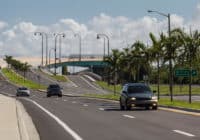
(194, 72)
(185, 72)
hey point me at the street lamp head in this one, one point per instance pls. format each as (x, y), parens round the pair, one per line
(98, 37)
(40, 33)
(149, 11)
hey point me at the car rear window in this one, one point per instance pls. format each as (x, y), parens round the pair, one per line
(54, 86)
(138, 89)
(22, 88)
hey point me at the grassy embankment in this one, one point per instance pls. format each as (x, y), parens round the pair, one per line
(162, 101)
(19, 80)
(164, 89)
(59, 78)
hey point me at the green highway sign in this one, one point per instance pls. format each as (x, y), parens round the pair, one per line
(194, 72)
(185, 72)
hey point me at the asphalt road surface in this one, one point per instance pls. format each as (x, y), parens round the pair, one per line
(78, 118)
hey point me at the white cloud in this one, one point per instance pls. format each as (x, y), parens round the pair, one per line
(19, 40)
(3, 25)
(9, 34)
(73, 25)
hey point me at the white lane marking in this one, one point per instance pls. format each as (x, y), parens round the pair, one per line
(74, 102)
(92, 85)
(91, 79)
(73, 83)
(60, 122)
(128, 116)
(85, 105)
(184, 133)
(102, 109)
(64, 100)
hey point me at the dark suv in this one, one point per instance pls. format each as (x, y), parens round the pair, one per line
(139, 95)
(54, 89)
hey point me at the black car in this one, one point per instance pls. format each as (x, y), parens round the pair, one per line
(139, 95)
(54, 89)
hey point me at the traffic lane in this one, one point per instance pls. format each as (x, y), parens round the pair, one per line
(176, 121)
(47, 128)
(99, 122)
(169, 119)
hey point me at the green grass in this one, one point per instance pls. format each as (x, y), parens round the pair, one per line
(19, 80)
(162, 101)
(179, 103)
(164, 89)
(104, 85)
(177, 89)
(59, 78)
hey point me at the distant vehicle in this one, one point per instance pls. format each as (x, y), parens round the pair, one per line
(23, 91)
(54, 89)
(139, 95)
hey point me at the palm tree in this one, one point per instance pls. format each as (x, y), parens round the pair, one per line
(8, 59)
(25, 67)
(156, 54)
(139, 59)
(113, 61)
(190, 55)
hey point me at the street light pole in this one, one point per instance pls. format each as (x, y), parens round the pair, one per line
(105, 36)
(108, 44)
(50, 55)
(46, 35)
(170, 56)
(56, 35)
(80, 42)
(41, 34)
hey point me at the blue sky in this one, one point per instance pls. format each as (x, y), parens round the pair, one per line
(50, 11)
(124, 21)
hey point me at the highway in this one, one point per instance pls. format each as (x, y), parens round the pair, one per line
(79, 118)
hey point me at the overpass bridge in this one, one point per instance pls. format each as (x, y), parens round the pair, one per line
(90, 61)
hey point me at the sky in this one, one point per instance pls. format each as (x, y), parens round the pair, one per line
(124, 21)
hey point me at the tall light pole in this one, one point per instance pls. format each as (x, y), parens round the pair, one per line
(104, 46)
(41, 34)
(57, 35)
(80, 42)
(46, 35)
(50, 55)
(105, 36)
(170, 57)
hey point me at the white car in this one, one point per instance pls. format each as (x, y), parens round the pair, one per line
(23, 91)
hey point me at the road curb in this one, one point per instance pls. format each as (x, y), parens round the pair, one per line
(26, 126)
(179, 111)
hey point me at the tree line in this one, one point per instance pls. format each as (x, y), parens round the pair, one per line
(140, 62)
(17, 65)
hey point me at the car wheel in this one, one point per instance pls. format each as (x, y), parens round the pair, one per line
(59, 95)
(48, 95)
(127, 107)
(121, 106)
(155, 107)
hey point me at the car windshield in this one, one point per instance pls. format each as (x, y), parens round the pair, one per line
(23, 88)
(138, 89)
